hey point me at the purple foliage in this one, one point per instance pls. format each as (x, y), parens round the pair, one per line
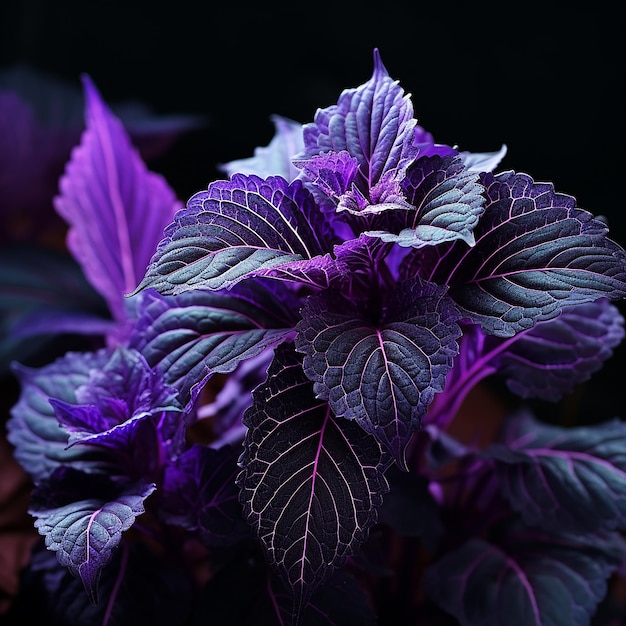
(285, 356)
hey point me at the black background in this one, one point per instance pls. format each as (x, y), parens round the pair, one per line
(547, 79)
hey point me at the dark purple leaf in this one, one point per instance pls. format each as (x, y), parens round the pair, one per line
(446, 201)
(535, 253)
(235, 230)
(192, 336)
(382, 373)
(311, 484)
(115, 207)
(199, 493)
(136, 586)
(84, 533)
(374, 124)
(571, 478)
(553, 357)
(124, 391)
(542, 581)
(33, 429)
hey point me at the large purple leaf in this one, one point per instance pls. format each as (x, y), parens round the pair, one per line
(33, 429)
(199, 493)
(550, 359)
(568, 478)
(535, 253)
(382, 373)
(115, 207)
(85, 529)
(235, 230)
(536, 581)
(192, 336)
(446, 201)
(374, 124)
(311, 484)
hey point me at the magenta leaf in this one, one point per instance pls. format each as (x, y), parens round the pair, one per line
(535, 253)
(535, 581)
(84, 532)
(311, 484)
(238, 229)
(115, 207)
(570, 478)
(384, 373)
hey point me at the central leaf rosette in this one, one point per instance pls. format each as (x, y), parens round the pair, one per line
(383, 248)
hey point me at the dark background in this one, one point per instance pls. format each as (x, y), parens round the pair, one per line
(547, 79)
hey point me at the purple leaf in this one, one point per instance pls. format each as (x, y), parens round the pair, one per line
(535, 253)
(114, 399)
(33, 429)
(550, 359)
(382, 373)
(85, 532)
(235, 230)
(445, 200)
(115, 207)
(542, 581)
(374, 124)
(275, 159)
(192, 336)
(333, 173)
(311, 484)
(571, 478)
(199, 493)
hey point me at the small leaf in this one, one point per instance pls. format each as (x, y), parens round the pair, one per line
(33, 429)
(199, 493)
(235, 230)
(568, 478)
(538, 581)
(115, 207)
(445, 200)
(535, 254)
(374, 124)
(381, 374)
(550, 359)
(311, 484)
(85, 532)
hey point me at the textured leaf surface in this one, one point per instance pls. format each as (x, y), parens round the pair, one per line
(535, 253)
(115, 207)
(374, 124)
(199, 493)
(447, 201)
(194, 335)
(553, 357)
(311, 484)
(534, 583)
(568, 478)
(235, 230)
(84, 533)
(382, 375)
(33, 429)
